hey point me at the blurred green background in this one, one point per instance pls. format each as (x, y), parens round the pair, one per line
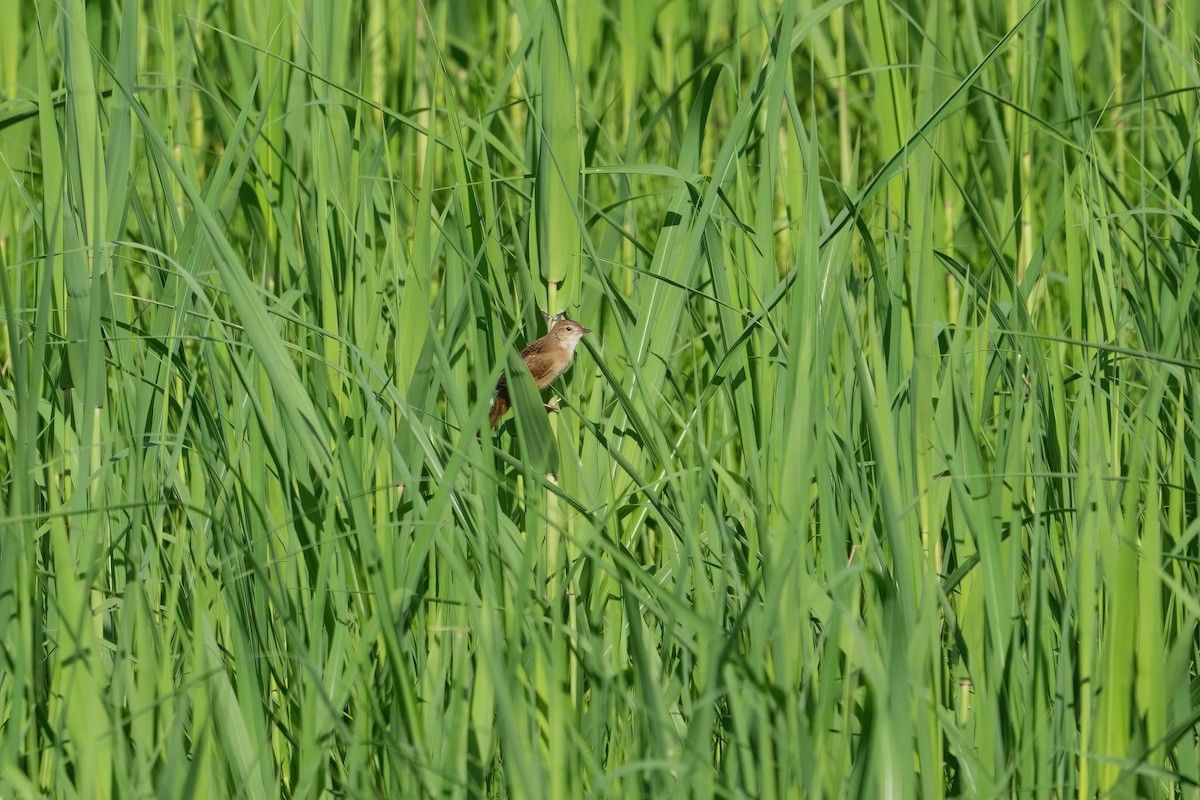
(876, 478)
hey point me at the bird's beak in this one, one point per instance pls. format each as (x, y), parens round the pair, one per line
(584, 330)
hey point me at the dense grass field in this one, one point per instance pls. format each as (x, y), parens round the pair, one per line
(876, 478)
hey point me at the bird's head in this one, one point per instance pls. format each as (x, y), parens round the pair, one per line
(568, 332)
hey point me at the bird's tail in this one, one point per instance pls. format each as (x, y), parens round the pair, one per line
(499, 406)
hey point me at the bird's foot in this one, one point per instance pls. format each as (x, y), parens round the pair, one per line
(551, 407)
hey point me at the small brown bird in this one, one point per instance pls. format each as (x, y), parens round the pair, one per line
(546, 359)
